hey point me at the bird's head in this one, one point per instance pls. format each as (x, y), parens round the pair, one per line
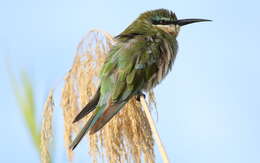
(158, 20)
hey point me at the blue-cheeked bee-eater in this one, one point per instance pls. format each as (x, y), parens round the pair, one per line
(142, 56)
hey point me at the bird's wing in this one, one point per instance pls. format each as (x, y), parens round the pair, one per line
(123, 75)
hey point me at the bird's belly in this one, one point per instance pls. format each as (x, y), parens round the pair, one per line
(155, 79)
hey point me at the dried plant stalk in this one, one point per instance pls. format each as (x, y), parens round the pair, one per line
(155, 132)
(46, 130)
(127, 137)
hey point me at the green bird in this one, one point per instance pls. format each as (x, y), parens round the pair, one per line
(141, 58)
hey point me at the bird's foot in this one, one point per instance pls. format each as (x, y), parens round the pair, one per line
(138, 96)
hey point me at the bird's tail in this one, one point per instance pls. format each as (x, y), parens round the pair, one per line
(89, 107)
(81, 133)
(97, 121)
(109, 112)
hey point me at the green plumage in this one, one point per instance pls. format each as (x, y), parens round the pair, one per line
(141, 58)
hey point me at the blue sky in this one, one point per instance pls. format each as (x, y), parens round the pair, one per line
(208, 105)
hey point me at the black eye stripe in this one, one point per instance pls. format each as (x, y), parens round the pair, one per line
(162, 22)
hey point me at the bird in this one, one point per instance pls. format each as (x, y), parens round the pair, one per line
(142, 56)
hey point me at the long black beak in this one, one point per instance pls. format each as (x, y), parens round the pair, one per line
(182, 22)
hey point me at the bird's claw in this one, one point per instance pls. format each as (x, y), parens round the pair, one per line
(138, 97)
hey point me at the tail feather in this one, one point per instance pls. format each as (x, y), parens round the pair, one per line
(106, 116)
(82, 133)
(97, 121)
(87, 126)
(89, 107)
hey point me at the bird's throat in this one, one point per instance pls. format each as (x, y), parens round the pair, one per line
(171, 29)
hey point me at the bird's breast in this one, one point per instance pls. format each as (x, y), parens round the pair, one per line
(168, 51)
